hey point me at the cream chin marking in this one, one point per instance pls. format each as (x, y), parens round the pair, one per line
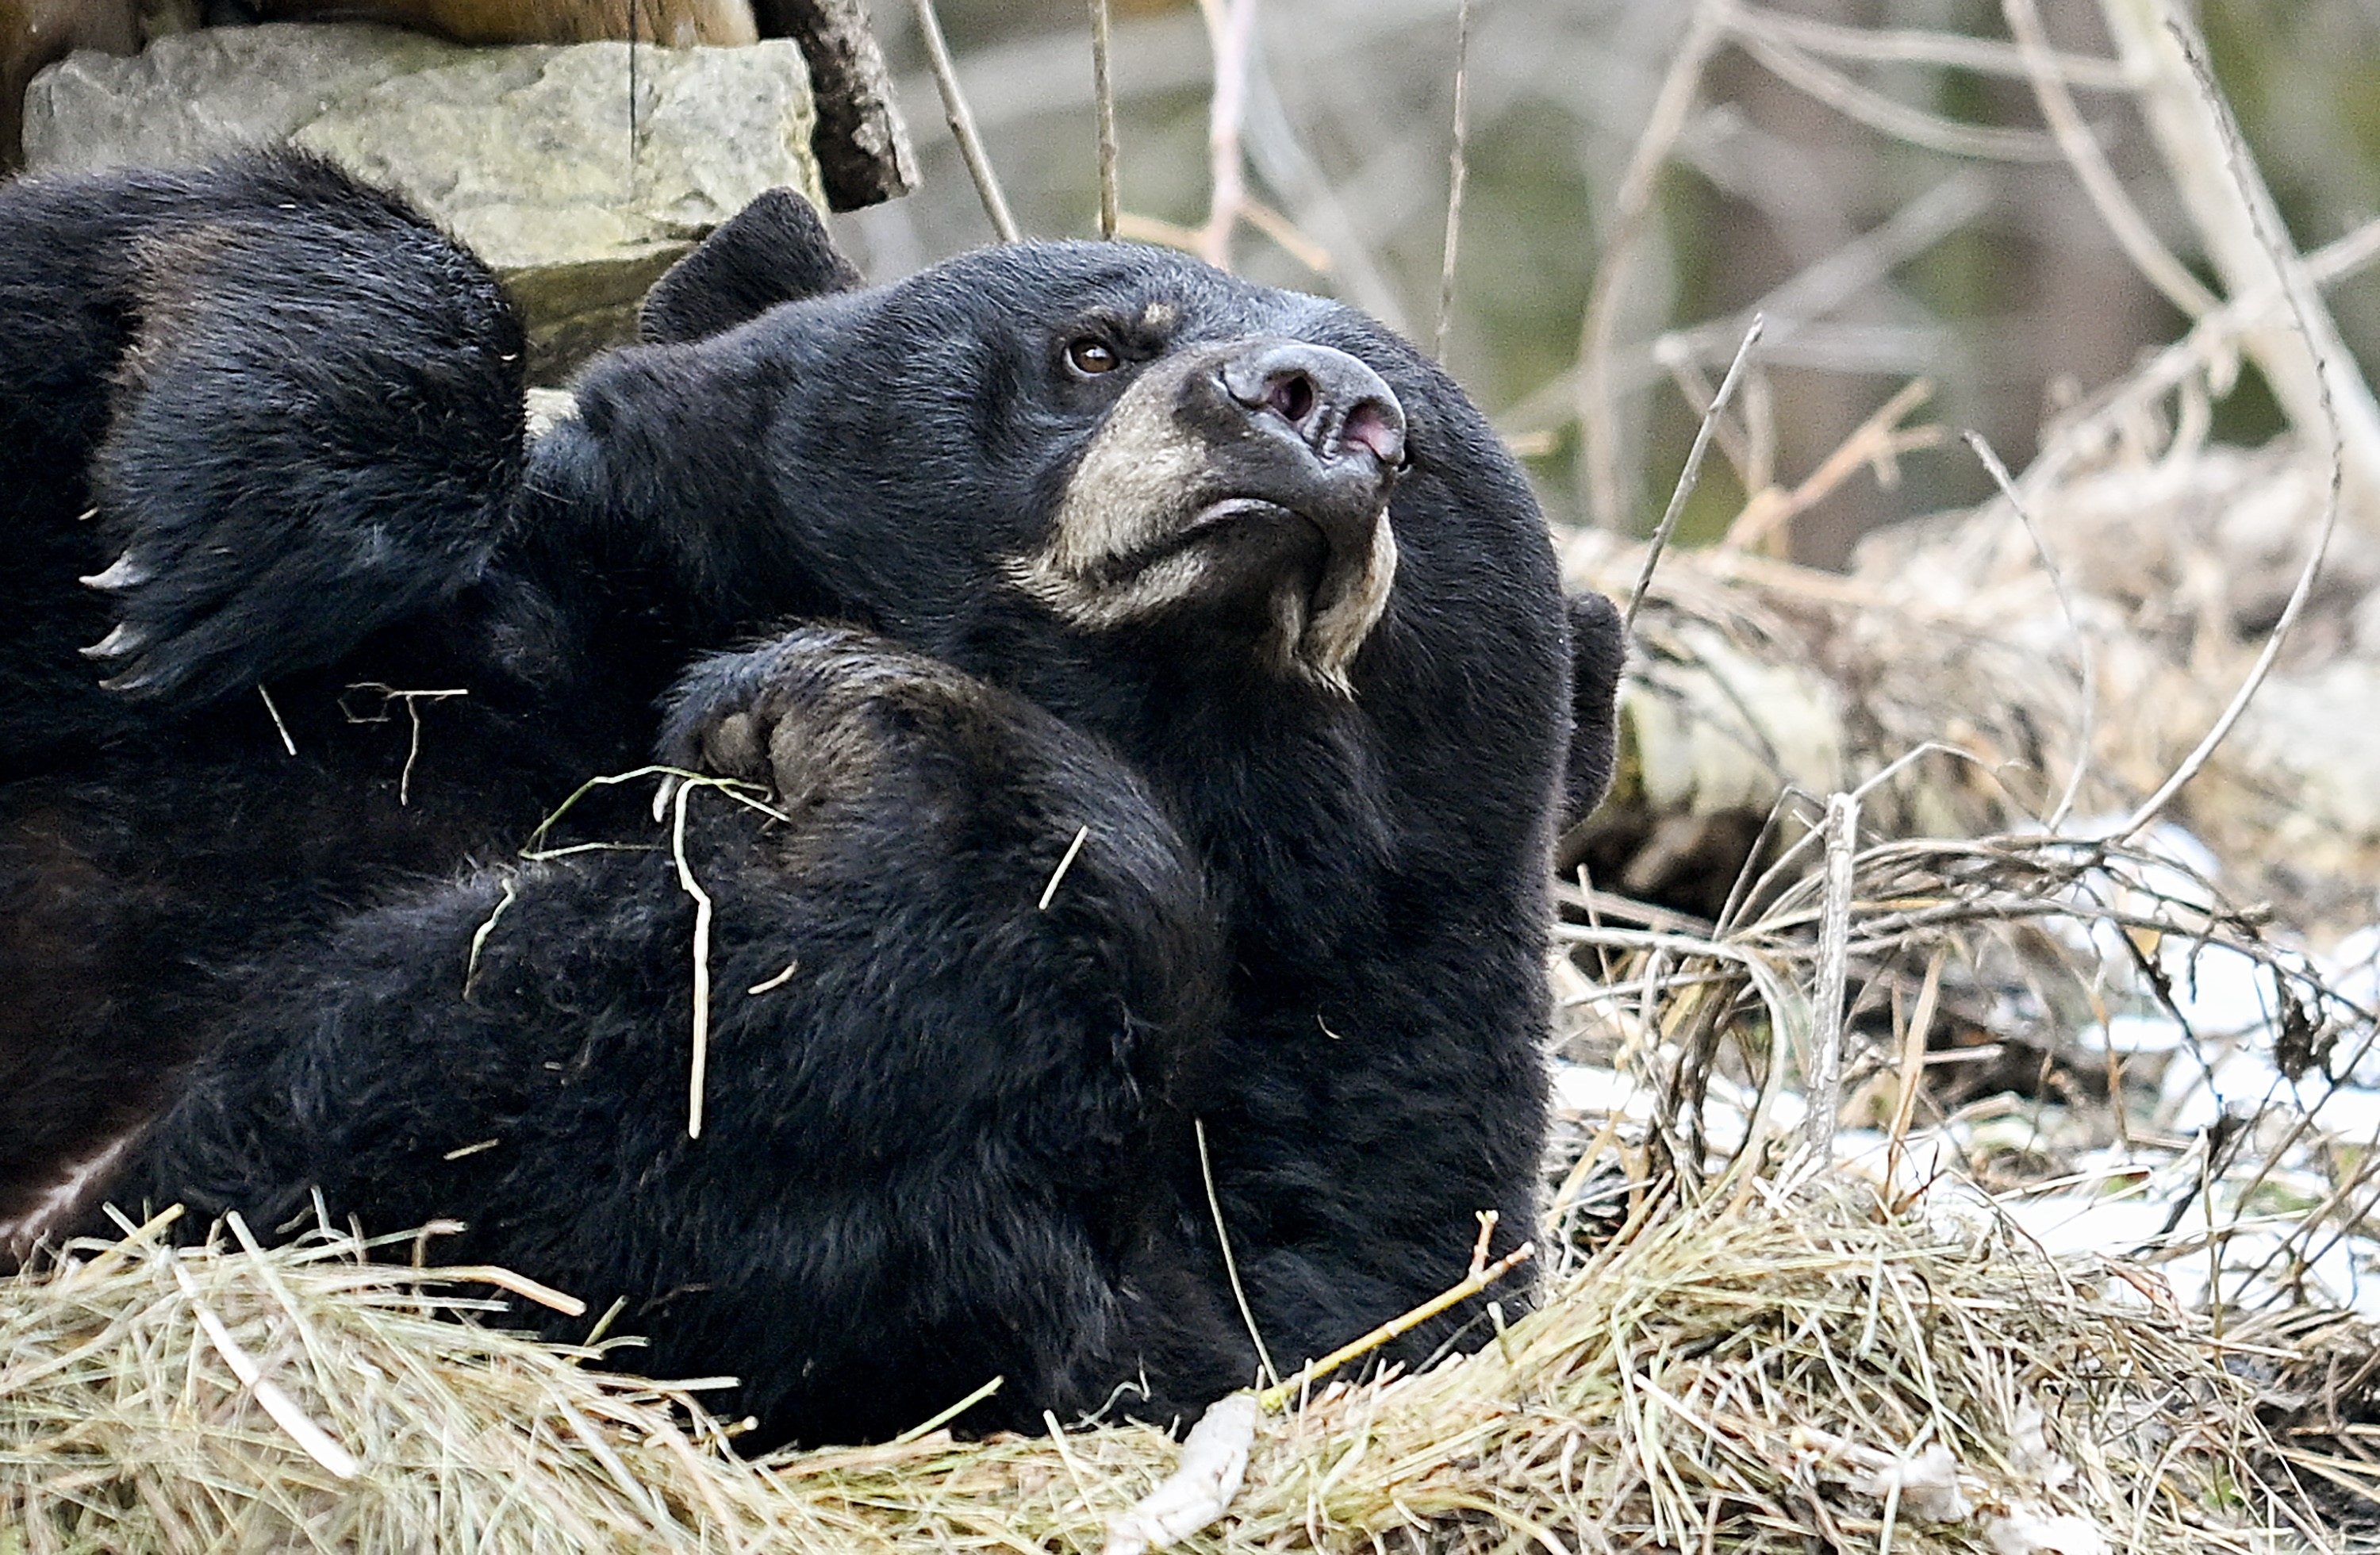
(1352, 599)
(1315, 638)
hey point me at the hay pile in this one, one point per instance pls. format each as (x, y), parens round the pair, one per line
(302, 1398)
(1745, 1376)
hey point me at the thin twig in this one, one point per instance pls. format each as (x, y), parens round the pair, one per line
(935, 1421)
(1457, 166)
(1889, 116)
(412, 700)
(1985, 57)
(2303, 307)
(1834, 960)
(1317, 202)
(1471, 1285)
(1849, 271)
(1231, 1264)
(2088, 732)
(1797, 308)
(518, 1285)
(1284, 234)
(1255, 212)
(1631, 211)
(775, 979)
(278, 726)
(1103, 100)
(2149, 256)
(701, 1060)
(1697, 391)
(1913, 1067)
(1875, 443)
(1231, 32)
(1050, 892)
(487, 927)
(962, 123)
(1693, 472)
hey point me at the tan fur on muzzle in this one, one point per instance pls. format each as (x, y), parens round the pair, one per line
(1146, 481)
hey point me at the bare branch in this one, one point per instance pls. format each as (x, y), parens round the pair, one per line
(1851, 269)
(1897, 119)
(1688, 476)
(1231, 32)
(962, 123)
(1457, 166)
(1598, 436)
(2213, 338)
(2313, 329)
(2085, 737)
(1103, 95)
(1876, 442)
(1826, 1078)
(2152, 258)
(1985, 57)
(2309, 369)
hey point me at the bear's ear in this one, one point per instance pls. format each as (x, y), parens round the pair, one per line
(1598, 649)
(773, 250)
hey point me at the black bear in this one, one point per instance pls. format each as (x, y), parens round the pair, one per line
(1236, 569)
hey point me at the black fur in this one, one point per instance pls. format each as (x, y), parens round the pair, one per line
(773, 250)
(1598, 646)
(1374, 864)
(205, 366)
(296, 406)
(937, 1117)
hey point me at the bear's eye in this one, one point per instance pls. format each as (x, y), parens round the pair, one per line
(1091, 356)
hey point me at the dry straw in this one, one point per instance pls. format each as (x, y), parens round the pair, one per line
(1745, 1375)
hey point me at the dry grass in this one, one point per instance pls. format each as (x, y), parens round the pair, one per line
(1744, 1375)
(125, 1427)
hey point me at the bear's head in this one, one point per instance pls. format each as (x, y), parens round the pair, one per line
(1041, 459)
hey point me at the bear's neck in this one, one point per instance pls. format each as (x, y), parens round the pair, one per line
(1342, 835)
(1383, 867)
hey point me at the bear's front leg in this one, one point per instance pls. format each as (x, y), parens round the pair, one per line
(953, 958)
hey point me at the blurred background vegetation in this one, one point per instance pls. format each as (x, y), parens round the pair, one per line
(1897, 216)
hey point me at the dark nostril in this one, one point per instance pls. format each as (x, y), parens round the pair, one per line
(1292, 393)
(1334, 403)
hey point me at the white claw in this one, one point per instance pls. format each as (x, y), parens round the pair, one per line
(121, 643)
(130, 683)
(122, 573)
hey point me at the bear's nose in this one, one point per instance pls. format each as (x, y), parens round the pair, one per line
(1334, 403)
